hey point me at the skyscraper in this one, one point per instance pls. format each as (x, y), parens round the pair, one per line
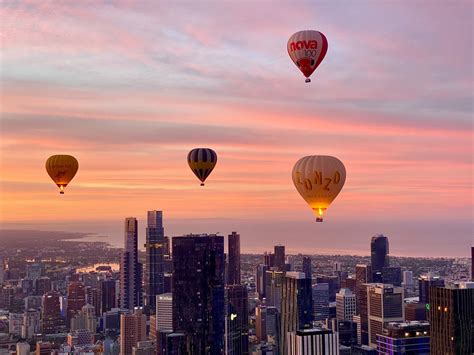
(198, 292)
(108, 300)
(312, 342)
(234, 259)
(296, 305)
(472, 263)
(52, 322)
(425, 282)
(452, 320)
(307, 267)
(321, 301)
(76, 299)
(279, 259)
(260, 280)
(130, 276)
(155, 250)
(164, 312)
(237, 320)
(385, 304)
(132, 330)
(379, 251)
(345, 304)
(273, 288)
(267, 323)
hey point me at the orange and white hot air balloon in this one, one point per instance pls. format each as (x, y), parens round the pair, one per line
(62, 168)
(319, 179)
(307, 50)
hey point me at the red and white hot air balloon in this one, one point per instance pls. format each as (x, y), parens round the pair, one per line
(307, 50)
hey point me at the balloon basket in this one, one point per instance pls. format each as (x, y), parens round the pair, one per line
(308, 80)
(202, 184)
(319, 219)
(61, 192)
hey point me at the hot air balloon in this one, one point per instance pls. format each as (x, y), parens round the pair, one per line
(62, 168)
(202, 161)
(319, 179)
(307, 50)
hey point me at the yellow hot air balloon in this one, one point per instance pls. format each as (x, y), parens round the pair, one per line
(62, 168)
(319, 179)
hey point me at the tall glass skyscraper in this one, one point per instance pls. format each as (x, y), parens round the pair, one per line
(234, 259)
(198, 292)
(155, 250)
(296, 305)
(379, 251)
(237, 326)
(130, 269)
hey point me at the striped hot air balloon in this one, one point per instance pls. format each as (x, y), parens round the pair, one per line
(307, 50)
(62, 168)
(202, 161)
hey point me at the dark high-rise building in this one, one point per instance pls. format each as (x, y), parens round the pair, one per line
(237, 320)
(307, 268)
(76, 299)
(472, 263)
(296, 305)
(166, 246)
(321, 301)
(379, 251)
(273, 288)
(198, 292)
(51, 319)
(363, 276)
(42, 285)
(260, 280)
(452, 320)
(234, 259)
(130, 275)
(155, 251)
(425, 282)
(362, 304)
(94, 298)
(415, 311)
(334, 285)
(108, 300)
(269, 259)
(279, 259)
(267, 322)
(392, 275)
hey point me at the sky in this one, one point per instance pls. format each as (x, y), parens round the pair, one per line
(129, 88)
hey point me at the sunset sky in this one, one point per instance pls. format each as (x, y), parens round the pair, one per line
(129, 88)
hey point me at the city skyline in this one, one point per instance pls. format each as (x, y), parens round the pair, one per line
(131, 93)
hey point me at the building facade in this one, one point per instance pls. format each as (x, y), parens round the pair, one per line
(198, 292)
(234, 259)
(452, 320)
(130, 269)
(155, 251)
(385, 305)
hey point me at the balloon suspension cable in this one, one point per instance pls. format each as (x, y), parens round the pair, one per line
(308, 80)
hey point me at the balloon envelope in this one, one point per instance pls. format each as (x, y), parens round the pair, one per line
(202, 161)
(319, 179)
(62, 168)
(307, 50)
